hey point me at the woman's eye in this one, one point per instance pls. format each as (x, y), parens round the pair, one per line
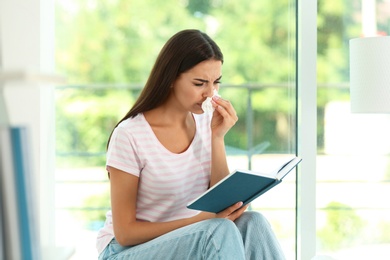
(198, 84)
(217, 82)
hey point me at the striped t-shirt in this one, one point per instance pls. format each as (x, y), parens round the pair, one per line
(167, 181)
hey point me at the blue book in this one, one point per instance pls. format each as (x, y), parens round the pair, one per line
(2, 223)
(241, 185)
(11, 228)
(25, 195)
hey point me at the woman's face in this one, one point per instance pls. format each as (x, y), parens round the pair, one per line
(192, 87)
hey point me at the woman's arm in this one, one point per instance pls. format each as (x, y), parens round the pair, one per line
(127, 230)
(224, 118)
(219, 167)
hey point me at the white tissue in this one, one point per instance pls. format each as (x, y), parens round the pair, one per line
(207, 106)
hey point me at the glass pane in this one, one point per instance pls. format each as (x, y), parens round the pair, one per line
(353, 173)
(107, 48)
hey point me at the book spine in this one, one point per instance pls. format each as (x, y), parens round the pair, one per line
(11, 241)
(2, 224)
(270, 186)
(25, 195)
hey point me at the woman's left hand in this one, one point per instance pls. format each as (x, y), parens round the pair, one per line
(224, 116)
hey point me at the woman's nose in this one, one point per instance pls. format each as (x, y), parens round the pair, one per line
(209, 92)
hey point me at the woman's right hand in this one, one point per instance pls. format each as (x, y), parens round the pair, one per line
(233, 212)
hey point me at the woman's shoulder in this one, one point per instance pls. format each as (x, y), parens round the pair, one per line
(132, 125)
(137, 119)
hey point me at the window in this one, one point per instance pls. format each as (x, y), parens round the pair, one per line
(107, 48)
(353, 149)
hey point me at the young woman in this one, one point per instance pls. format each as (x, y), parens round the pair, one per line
(164, 153)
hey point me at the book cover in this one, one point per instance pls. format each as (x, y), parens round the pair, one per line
(11, 227)
(241, 185)
(29, 239)
(2, 238)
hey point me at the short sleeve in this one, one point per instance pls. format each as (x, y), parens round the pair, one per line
(122, 152)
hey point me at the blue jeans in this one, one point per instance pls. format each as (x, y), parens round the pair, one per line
(249, 237)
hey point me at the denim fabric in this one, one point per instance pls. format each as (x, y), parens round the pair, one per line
(249, 237)
(258, 237)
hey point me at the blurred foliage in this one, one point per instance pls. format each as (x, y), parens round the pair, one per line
(384, 235)
(84, 120)
(95, 209)
(342, 228)
(116, 42)
(387, 173)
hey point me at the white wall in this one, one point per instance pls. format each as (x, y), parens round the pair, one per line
(26, 59)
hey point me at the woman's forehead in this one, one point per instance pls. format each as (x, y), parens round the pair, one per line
(209, 69)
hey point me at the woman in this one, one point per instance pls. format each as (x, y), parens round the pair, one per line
(164, 153)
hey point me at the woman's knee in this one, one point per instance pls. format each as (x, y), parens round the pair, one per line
(252, 218)
(256, 216)
(223, 241)
(222, 227)
(222, 223)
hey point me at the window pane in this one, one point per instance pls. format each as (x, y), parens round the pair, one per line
(353, 172)
(107, 48)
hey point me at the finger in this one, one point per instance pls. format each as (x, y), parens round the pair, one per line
(225, 104)
(241, 210)
(222, 104)
(232, 208)
(236, 214)
(226, 114)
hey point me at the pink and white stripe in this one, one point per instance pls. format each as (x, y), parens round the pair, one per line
(167, 181)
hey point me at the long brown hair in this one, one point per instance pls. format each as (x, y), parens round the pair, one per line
(181, 52)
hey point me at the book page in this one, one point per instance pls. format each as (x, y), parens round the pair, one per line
(285, 165)
(287, 168)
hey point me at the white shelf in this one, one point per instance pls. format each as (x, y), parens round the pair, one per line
(30, 77)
